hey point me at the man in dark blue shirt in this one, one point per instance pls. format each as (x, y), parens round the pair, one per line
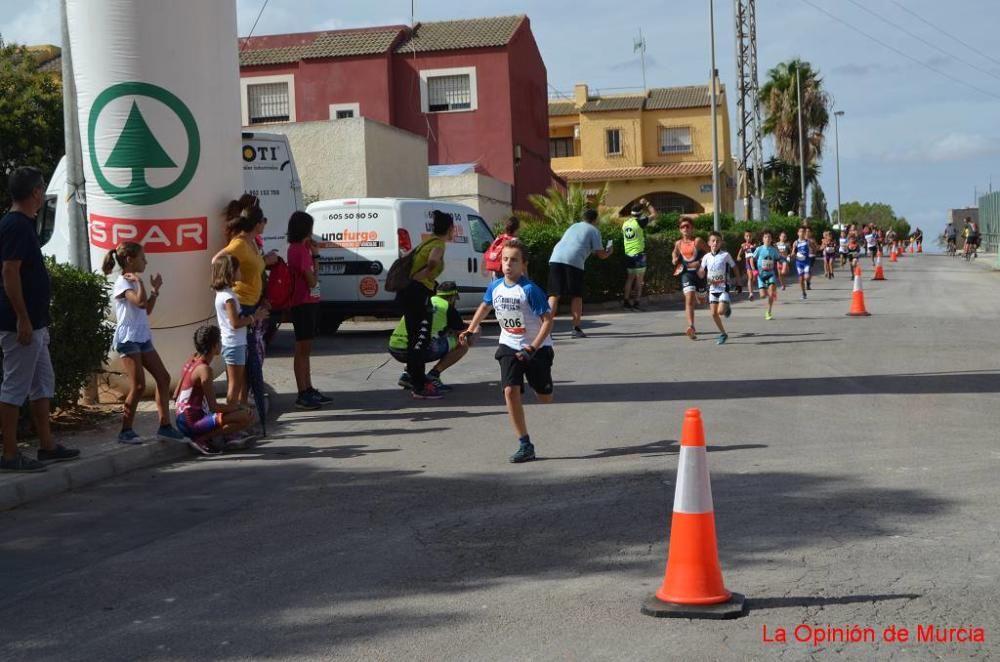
(24, 319)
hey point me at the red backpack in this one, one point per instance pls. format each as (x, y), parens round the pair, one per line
(492, 256)
(280, 286)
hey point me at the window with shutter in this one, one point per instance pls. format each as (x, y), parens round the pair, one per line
(268, 102)
(449, 93)
(675, 140)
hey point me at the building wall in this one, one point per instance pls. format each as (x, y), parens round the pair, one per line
(395, 162)
(356, 158)
(593, 137)
(529, 116)
(491, 197)
(365, 81)
(482, 136)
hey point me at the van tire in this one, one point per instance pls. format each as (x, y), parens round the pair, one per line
(329, 323)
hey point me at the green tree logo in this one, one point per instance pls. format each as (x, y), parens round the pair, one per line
(137, 148)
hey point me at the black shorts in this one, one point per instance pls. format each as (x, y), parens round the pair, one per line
(305, 318)
(564, 280)
(635, 263)
(538, 370)
(691, 283)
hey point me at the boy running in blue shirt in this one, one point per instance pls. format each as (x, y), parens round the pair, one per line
(765, 260)
(525, 339)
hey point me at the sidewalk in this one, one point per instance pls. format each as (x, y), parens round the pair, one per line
(101, 457)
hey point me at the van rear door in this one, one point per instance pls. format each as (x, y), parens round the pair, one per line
(357, 245)
(269, 173)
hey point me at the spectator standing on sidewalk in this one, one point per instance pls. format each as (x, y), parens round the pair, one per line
(634, 237)
(24, 320)
(567, 262)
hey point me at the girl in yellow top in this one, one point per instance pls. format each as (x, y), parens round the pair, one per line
(245, 222)
(428, 263)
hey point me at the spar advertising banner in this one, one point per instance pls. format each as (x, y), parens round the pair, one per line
(158, 94)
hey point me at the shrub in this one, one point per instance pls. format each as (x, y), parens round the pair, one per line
(605, 279)
(80, 331)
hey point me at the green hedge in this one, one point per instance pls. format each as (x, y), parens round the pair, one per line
(605, 279)
(80, 332)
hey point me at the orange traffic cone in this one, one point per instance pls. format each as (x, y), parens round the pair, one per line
(879, 273)
(920, 248)
(892, 256)
(911, 248)
(858, 298)
(692, 584)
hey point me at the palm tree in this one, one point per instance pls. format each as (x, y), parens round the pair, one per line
(781, 107)
(564, 209)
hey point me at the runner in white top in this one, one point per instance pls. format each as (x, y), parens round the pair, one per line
(716, 267)
(871, 242)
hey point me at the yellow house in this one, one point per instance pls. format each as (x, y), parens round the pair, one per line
(656, 145)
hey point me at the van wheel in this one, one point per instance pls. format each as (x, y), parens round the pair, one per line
(329, 323)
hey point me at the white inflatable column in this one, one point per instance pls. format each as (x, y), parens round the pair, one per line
(158, 90)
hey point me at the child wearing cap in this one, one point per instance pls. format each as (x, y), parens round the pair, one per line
(525, 350)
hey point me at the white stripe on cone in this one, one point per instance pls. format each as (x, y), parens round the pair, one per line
(693, 494)
(857, 284)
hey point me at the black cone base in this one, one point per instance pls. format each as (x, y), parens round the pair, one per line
(657, 608)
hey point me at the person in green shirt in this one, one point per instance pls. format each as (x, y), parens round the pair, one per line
(634, 234)
(444, 346)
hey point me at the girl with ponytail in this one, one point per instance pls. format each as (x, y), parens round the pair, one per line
(133, 338)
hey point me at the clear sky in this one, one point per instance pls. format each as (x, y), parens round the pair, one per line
(917, 133)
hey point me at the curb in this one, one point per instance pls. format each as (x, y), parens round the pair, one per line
(69, 476)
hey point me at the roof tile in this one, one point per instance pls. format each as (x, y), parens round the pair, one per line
(347, 44)
(604, 104)
(454, 35)
(689, 96)
(562, 108)
(689, 169)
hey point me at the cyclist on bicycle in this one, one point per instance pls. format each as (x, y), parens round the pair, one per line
(972, 237)
(950, 236)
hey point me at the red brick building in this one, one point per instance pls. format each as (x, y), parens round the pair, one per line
(476, 89)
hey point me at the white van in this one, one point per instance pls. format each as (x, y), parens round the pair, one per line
(359, 239)
(268, 172)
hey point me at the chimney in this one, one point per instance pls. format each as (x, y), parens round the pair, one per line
(580, 94)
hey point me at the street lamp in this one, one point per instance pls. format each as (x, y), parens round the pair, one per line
(716, 223)
(836, 142)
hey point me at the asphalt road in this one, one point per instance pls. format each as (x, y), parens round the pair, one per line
(853, 460)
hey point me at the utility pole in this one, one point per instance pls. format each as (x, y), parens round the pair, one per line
(802, 146)
(836, 140)
(716, 223)
(748, 104)
(79, 253)
(639, 45)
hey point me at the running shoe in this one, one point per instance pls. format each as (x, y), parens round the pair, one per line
(429, 392)
(405, 381)
(169, 433)
(526, 453)
(804, 297)
(203, 447)
(306, 402)
(57, 454)
(721, 340)
(319, 397)
(627, 306)
(636, 308)
(21, 464)
(439, 385)
(768, 316)
(691, 333)
(130, 437)
(784, 287)
(578, 332)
